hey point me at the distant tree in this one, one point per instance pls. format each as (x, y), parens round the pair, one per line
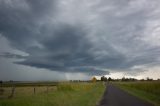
(109, 79)
(103, 78)
(149, 79)
(132, 79)
(128, 79)
(11, 81)
(94, 79)
(141, 79)
(123, 79)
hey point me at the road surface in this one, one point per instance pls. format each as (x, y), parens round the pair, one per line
(113, 96)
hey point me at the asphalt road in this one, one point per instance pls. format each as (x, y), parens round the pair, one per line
(114, 96)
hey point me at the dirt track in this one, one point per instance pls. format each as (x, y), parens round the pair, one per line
(114, 96)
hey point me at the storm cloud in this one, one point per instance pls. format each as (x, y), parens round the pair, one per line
(88, 36)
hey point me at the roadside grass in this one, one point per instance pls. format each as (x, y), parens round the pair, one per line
(148, 91)
(66, 94)
(26, 91)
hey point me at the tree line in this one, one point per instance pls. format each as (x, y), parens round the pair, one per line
(103, 78)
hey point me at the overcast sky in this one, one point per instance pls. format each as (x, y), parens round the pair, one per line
(77, 39)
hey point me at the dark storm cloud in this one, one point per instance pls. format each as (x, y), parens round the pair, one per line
(66, 48)
(20, 19)
(64, 35)
(11, 55)
(90, 70)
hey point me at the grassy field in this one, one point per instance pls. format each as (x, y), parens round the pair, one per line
(146, 90)
(64, 94)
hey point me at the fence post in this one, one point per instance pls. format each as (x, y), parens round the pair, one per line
(12, 92)
(47, 89)
(1, 83)
(1, 89)
(34, 90)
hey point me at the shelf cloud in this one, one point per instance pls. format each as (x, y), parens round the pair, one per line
(88, 36)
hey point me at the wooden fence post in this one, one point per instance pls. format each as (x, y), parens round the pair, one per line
(34, 90)
(1, 89)
(47, 89)
(1, 83)
(12, 92)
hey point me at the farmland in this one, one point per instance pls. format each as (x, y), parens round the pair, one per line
(59, 94)
(146, 90)
(74, 93)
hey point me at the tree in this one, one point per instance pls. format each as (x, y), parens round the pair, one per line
(149, 79)
(123, 79)
(94, 79)
(109, 79)
(103, 78)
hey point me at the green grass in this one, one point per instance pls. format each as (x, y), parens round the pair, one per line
(148, 91)
(66, 94)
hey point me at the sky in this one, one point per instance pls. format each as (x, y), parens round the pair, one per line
(78, 39)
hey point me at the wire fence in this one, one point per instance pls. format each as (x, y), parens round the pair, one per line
(8, 91)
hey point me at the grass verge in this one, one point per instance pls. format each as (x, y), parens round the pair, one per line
(139, 90)
(67, 94)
